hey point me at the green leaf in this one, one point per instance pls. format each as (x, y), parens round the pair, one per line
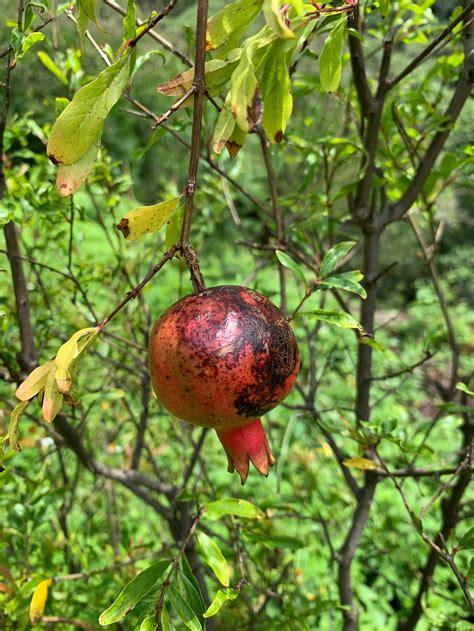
(463, 388)
(183, 610)
(188, 573)
(383, 5)
(274, 19)
(28, 42)
(330, 62)
(129, 21)
(81, 123)
(346, 282)
(276, 95)
(52, 399)
(225, 125)
(333, 256)
(232, 506)
(89, 8)
(337, 318)
(229, 23)
(132, 593)
(214, 558)
(68, 355)
(149, 624)
(72, 176)
(146, 219)
(222, 596)
(174, 227)
(13, 429)
(191, 596)
(52, 67)
(470, 572)
(288, 262)
(360, 463)
(243, 94)
(467, 540)
(35, 382)
(164, 619)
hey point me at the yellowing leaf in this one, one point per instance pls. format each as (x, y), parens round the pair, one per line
(274, 19)
(225, 125)
(361, 463)
(230, 22)
(52, 399)
(38, 601)
(245, 99)
(71, 176)
(218, 72)
(146, 219)
(173, 228)
(80, 124)
(68, 355)
(13, 430)
(35, 382)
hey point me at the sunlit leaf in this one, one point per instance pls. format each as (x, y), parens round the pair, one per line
(35, 382)
(129, 26)
(232, 506)
(334, 255)
(463, 388)
(81, 123)
(38, 601)
(28, 42)
(214, 558)
(274, 19)
(146, 219)
(222, 596)
(132, 593)
(330, 62)
(347, 282)
(68, 355)
(52, 398)
(149, 624)
(360, 463)
(230, 22)
(164, 619)
(337, 318)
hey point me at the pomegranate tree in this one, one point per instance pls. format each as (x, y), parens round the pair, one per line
(221, 359)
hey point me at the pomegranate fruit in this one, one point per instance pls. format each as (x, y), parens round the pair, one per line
(221, 359)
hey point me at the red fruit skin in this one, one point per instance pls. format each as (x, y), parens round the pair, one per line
(221, 359)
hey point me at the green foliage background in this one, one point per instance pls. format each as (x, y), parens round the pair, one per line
(61, 519)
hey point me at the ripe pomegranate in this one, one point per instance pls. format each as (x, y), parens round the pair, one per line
(221, 359)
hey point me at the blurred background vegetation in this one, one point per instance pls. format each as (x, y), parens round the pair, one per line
(74, 518)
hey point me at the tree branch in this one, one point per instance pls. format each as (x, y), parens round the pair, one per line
(458, 100)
